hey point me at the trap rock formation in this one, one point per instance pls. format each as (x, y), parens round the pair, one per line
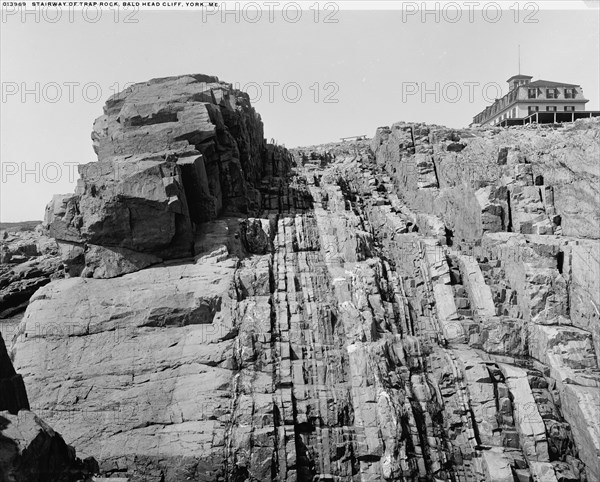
(420, 306)
(172, 153)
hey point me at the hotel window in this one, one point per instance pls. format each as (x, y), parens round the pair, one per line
(550, 108)
(552, 93)
(514, 112)
(570, 93)
(532, 93)
(533, 108)
(569, 108)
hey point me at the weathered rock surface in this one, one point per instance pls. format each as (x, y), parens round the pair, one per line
(148, 391)
(421, 306)
(30, 451)
(28, 260)
(172, 153)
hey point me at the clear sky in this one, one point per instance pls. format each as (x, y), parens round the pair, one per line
(374, 63)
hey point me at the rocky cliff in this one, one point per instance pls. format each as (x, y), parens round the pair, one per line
(172, 153)
(30, 450)
(420, 306)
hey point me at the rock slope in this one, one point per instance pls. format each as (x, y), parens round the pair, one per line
(421, 306)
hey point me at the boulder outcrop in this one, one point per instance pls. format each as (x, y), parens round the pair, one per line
(172, 153)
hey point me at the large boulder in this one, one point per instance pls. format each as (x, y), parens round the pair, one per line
(135, 203)
(172, 153)
(137, 367)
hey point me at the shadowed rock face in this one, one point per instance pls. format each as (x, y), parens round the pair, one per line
(413, 307)
(13, 396)
(29, 449)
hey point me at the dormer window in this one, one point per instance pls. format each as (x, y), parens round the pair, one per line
(532, 93)
(551, 93)
(570, 93)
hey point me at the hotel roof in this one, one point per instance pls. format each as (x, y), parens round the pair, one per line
(549, 83)
(520, 76)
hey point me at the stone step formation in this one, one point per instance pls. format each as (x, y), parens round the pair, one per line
(419, 306)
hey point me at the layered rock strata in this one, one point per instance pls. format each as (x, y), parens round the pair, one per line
(421, 306)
